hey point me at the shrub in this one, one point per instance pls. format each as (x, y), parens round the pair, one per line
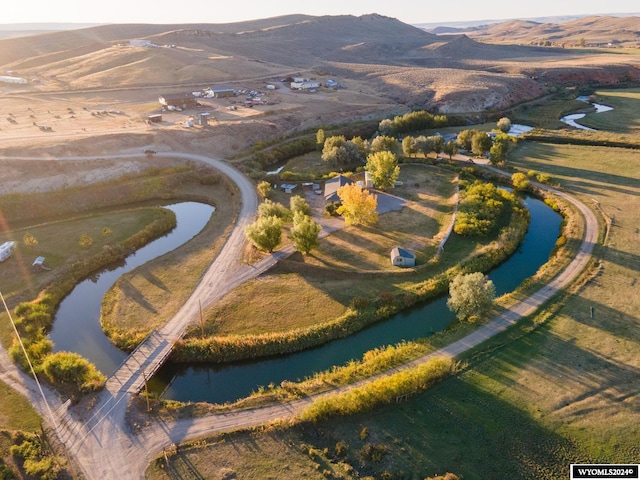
(70, 368)
(85, 240)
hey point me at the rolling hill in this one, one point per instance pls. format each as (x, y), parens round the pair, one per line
(449, 73)
(593, 31)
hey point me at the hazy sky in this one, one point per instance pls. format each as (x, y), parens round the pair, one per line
(216, 11)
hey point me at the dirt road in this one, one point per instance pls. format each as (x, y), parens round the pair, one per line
(104, 446)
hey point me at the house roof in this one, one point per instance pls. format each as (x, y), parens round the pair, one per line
(332, 185)
(402, 252)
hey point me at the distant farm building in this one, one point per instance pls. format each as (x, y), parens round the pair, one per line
(156, 118)
(401, 257)
(140, 43)
(306, 85)
(178, 100)
(9, 79)
(332, 185)
(220, 92)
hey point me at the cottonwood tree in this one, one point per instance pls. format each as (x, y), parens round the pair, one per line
(464, 138)
(297, 205)
(269, 208)
(504, 124)
(480, 143)
(265, 233)
(383, 142)
(383, 168)
(320, 138)
(409, 146)
(339, 151)
(501, 148)
(358, 205)
(437, 143)
(304, 233)
(450, 148)
(471, 295)
(264, 189)
(423, 145)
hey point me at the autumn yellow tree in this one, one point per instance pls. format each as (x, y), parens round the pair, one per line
(384, 169)
(358, 205)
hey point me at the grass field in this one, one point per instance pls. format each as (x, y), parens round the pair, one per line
(624, 116)
(59, 243)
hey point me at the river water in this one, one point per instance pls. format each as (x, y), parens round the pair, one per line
(573, 118)
(76, 327)
(225, 383)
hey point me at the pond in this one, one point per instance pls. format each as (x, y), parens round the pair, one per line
(76, 326)
(229, 382)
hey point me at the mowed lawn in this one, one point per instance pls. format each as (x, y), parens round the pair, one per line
(349, 263)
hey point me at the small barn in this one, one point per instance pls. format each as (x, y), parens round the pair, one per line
(180, 100)
(401, 257)
(332, 185)
(308, 85)
(220, 92)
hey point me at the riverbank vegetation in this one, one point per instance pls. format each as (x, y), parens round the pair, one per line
(115, 234)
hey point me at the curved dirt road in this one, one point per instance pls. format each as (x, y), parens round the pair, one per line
(100, 440)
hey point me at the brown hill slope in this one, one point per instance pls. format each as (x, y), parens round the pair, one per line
(452, 73)
(587, 31)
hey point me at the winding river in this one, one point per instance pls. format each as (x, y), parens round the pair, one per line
(225, 383)
(77, 323)
(573, 118)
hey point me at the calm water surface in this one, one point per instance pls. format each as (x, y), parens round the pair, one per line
(76, 327)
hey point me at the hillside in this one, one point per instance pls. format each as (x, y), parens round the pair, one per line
(594, 31)
(385, 66)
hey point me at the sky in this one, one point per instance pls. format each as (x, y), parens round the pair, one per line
(212, 11)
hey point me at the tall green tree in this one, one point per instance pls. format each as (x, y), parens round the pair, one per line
(269, 208)
(304, 233)
(471, 295)
(320, 138)
(437, 143)
(358, 206)
(501, 148)
(383, 142)
(383, 168)
(409, 146)
(299, 205)
(265, 233)
(464, 139)
(480, 143)
(264, 189)
(450, 148)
